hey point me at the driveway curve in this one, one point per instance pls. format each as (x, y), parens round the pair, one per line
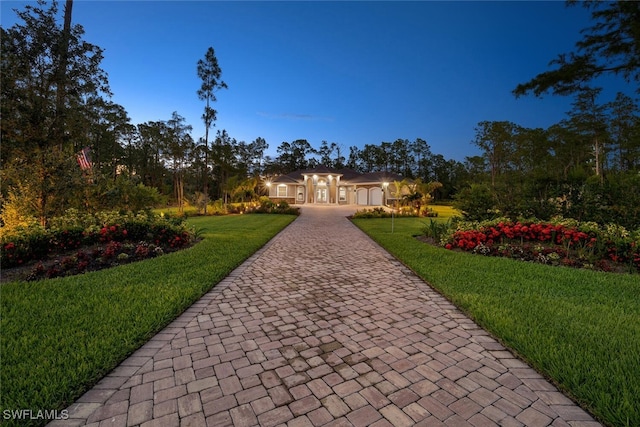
(322, 327)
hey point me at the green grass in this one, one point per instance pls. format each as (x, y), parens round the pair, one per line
(444, 212)
(579, 328)
(59, 337)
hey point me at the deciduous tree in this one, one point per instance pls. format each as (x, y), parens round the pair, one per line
(496, 140)
(179, 146)
(587, 119)
(624, 129)
(47, 73)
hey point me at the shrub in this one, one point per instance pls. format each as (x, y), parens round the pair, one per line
(284, 208)
(137, 229)
(476, 202)
(114, 232)
(218, 208)
(73, 218)
(282, 205)
(70, 238)
(438, 231)
(372, 213)
(23, 245)
(593, 200)
(379, 212)
(142, 250)
(266, 205)
(111, 250)
(124, 193)
(169, 234)
(17, 210)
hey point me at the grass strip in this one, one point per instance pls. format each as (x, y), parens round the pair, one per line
(579, 328)
(60, 336)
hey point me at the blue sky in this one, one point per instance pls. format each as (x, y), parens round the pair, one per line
(353, 73)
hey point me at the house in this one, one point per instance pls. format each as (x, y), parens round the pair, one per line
(326, 186)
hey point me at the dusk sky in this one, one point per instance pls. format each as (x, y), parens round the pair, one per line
(353, 73)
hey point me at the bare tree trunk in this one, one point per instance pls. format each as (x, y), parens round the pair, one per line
(181, 192)
(205, 189)
(597, 149)
(43, 196)
(61, 77)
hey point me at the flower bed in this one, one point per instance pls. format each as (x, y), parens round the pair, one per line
(93, 258)
(563, 242)
(75, 245)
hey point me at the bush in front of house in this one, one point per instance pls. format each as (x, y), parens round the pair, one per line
(379, 212)
(266, 205)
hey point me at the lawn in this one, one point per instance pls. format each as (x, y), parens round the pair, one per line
(444, 212)
(60, 336)
(579, 328)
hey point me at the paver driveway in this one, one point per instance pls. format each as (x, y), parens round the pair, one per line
(323, 327)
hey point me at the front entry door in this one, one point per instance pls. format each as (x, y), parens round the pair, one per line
(321, 196)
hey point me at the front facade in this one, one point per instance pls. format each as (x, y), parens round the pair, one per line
(325, 186)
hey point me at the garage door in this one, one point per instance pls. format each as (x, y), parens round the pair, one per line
(362, 196)
(376, 197)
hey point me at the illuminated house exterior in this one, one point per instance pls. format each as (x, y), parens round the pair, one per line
(325, 186)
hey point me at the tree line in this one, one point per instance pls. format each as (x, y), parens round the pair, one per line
(56, 102)
(587, 166)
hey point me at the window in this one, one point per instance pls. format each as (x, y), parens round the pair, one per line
(282, 190)
(343, 194)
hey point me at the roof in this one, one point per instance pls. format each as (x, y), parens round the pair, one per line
(287, 179)
(321, 170)
(297, 176)
(376, 177)
(348, 176)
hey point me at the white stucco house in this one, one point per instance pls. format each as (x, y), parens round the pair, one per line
(326, 186)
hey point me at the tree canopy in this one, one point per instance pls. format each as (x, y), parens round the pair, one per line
(610, 46)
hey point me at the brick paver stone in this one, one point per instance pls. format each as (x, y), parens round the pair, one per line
(323, 327)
